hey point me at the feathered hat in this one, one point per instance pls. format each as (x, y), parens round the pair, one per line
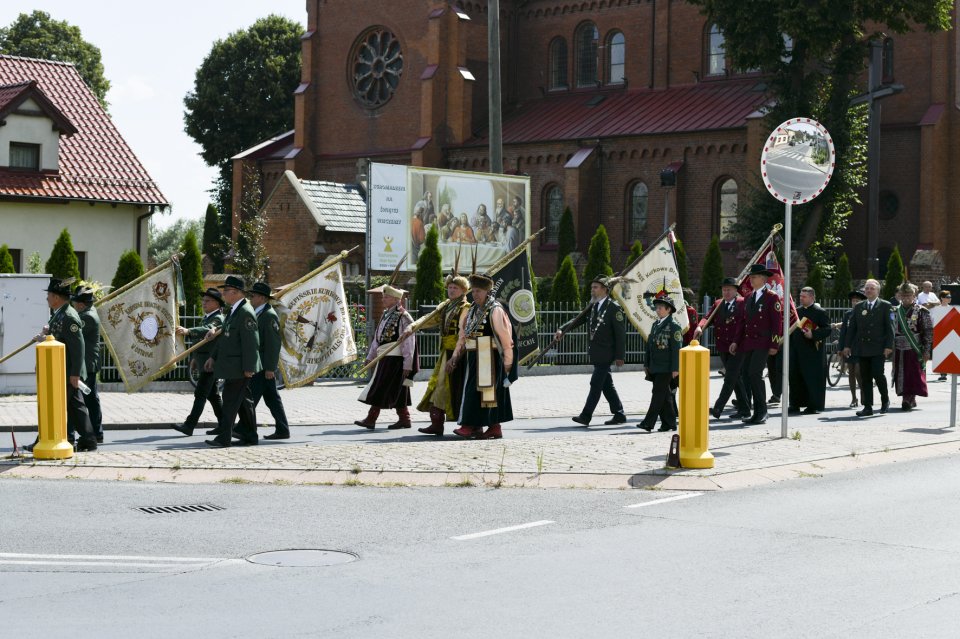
(455, 278)
(390, 289)
(480, 281)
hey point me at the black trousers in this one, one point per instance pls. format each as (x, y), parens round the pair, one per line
(871, 370)
(661, 403)
(733, 382)
(260, 386)
(601, 382)
(775, 373)
(754, 362)
(205, 391)
(237, 401)
(78, 417)
(92, 402)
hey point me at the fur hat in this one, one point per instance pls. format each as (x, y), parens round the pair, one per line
(481, 281)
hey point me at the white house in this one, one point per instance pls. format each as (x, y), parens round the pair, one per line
(63, 164)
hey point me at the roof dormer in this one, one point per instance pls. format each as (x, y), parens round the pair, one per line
(30, 129)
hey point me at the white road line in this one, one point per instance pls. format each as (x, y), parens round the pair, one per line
(98, 564)
(14, 555)
(498, 531)
(664, 500)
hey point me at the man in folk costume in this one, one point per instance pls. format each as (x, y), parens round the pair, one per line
(870, 337)
(663, 364)
(487, 338)
(83, 303)
(390, 384)
(762, 334)
(808, 364)
(606, 347)
(912, 346)
(728, 317)
(206, 389)
(264, 384)
(445, 388)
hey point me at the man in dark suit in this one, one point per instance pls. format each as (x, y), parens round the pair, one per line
(264, 383)
(83, 303)
(206, 389)
(728, 317)
(606, 345)
(808, 364)
(236, 359)
(762, 334)
(663, 365)
(870, 338)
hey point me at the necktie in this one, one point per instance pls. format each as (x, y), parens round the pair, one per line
(730, 307)
(869, 306)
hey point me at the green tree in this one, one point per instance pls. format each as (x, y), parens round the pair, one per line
(681, 254)
(162, 243)
(598, 259)
(213, 238)
(814, 57)
(565, 289)
(6, 260)
(243, 94)
(636, 250)
(35, 263)
(893, 278)
(711, 276)
(429, 287)
(567, 236)
(250, 257)
(63, 261)
(815, 281)
(37, 35)
(191, 271)
(129, 268)
(842, 279)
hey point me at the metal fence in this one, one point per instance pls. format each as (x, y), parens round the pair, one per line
(571, 351)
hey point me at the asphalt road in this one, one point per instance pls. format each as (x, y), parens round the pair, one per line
(793, 170)
(863, 554)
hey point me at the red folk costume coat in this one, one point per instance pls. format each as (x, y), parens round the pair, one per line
(727, 327)
(763, 327)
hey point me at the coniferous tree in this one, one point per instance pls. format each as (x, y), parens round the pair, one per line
(429, 287)
(636, 250)
(565, 288)
(894, 276)
(567, 236)
(681, 254)
(712, 275)
(213, 240)
(129, 268)
(6, 260)
(598, 259)
(815, 281)
(842, 279)
(63, 261)
(191, 271)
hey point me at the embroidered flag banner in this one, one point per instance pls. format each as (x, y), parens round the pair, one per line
(512, 284)
(139, 323)
(315, 328)
(654, 271)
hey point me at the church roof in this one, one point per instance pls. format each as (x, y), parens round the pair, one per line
(335, 207)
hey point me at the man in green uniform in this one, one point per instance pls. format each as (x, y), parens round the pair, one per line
(83, 303)
(663, 364)
(206, 389)
(870, 338)
(236, 359)
(264, 383)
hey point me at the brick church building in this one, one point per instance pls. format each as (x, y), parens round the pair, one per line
(598, 98)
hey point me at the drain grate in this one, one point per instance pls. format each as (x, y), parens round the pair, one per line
(164, 510)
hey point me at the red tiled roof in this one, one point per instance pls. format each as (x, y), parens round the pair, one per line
(95, 163)
(571, 116)
(14, 95)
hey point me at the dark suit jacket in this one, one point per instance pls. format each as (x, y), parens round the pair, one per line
(269, 327)
(870, 331)
(91, 340)
(663, 347)
(214, 320)
(609, 341)
(67, 328)
(237, 350)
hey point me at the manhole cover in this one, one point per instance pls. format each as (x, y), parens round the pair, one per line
(302, 558)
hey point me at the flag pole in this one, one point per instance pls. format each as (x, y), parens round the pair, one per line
(22, 348)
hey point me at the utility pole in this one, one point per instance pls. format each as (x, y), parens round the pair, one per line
(493, 77)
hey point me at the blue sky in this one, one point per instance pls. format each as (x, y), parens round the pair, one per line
(150, 54)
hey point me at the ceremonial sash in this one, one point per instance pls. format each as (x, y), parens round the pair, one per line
(907, 332)
(486, 372)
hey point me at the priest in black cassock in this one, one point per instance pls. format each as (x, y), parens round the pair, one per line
(808, 380)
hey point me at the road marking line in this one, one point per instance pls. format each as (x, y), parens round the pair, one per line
(14, 555)
(664, 500)
(99, 564)
(498, 531)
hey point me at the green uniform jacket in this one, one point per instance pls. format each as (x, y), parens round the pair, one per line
(663, 347)
(91, 340)
(269, 325)
(67, 327)
(606, 333)
(237, 350)
(870, 331)
(210, 322)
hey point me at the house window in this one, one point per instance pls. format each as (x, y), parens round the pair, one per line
(586, 43)
(887, 61)
(553, 204)
(716, 55)
(638, 211)
(616, 52)
(24, 156)
(17, 255)
(81, 263)
(727, 200)
(558, 64)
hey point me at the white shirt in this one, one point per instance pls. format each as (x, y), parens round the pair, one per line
(259, 308)
(237, 305)
(928, 298)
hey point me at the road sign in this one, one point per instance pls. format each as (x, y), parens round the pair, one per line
(946, 339)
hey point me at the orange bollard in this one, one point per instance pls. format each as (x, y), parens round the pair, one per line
(52, 401)
(695, 406)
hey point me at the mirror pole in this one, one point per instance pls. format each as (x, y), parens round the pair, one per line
(785, 372)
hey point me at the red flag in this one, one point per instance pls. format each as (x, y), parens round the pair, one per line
(767, 257)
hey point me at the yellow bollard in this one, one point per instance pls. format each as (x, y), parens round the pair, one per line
(52, 401)
(694, 406)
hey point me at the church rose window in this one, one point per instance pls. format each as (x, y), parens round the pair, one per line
(376, 67)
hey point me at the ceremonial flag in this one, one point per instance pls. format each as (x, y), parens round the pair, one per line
(512, 284)
(139, 323)
(767, 256)
(654, 271)
(315, 328)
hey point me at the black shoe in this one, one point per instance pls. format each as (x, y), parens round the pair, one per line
(793, 410)
(866, 412)
(186, 430)
(810, 411)
(665, 429)
(757, 420)
(214, 431)
(86, 446)
(884, 406)
(245, 442)
(740, 416)
(644, 426)
(619, 418)
(366, 425)
(716, 412)
(99, 439)
(580, 419)
(29, 447)
(280, 434)
(906, 406)
(774, 400)
(216, 443)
